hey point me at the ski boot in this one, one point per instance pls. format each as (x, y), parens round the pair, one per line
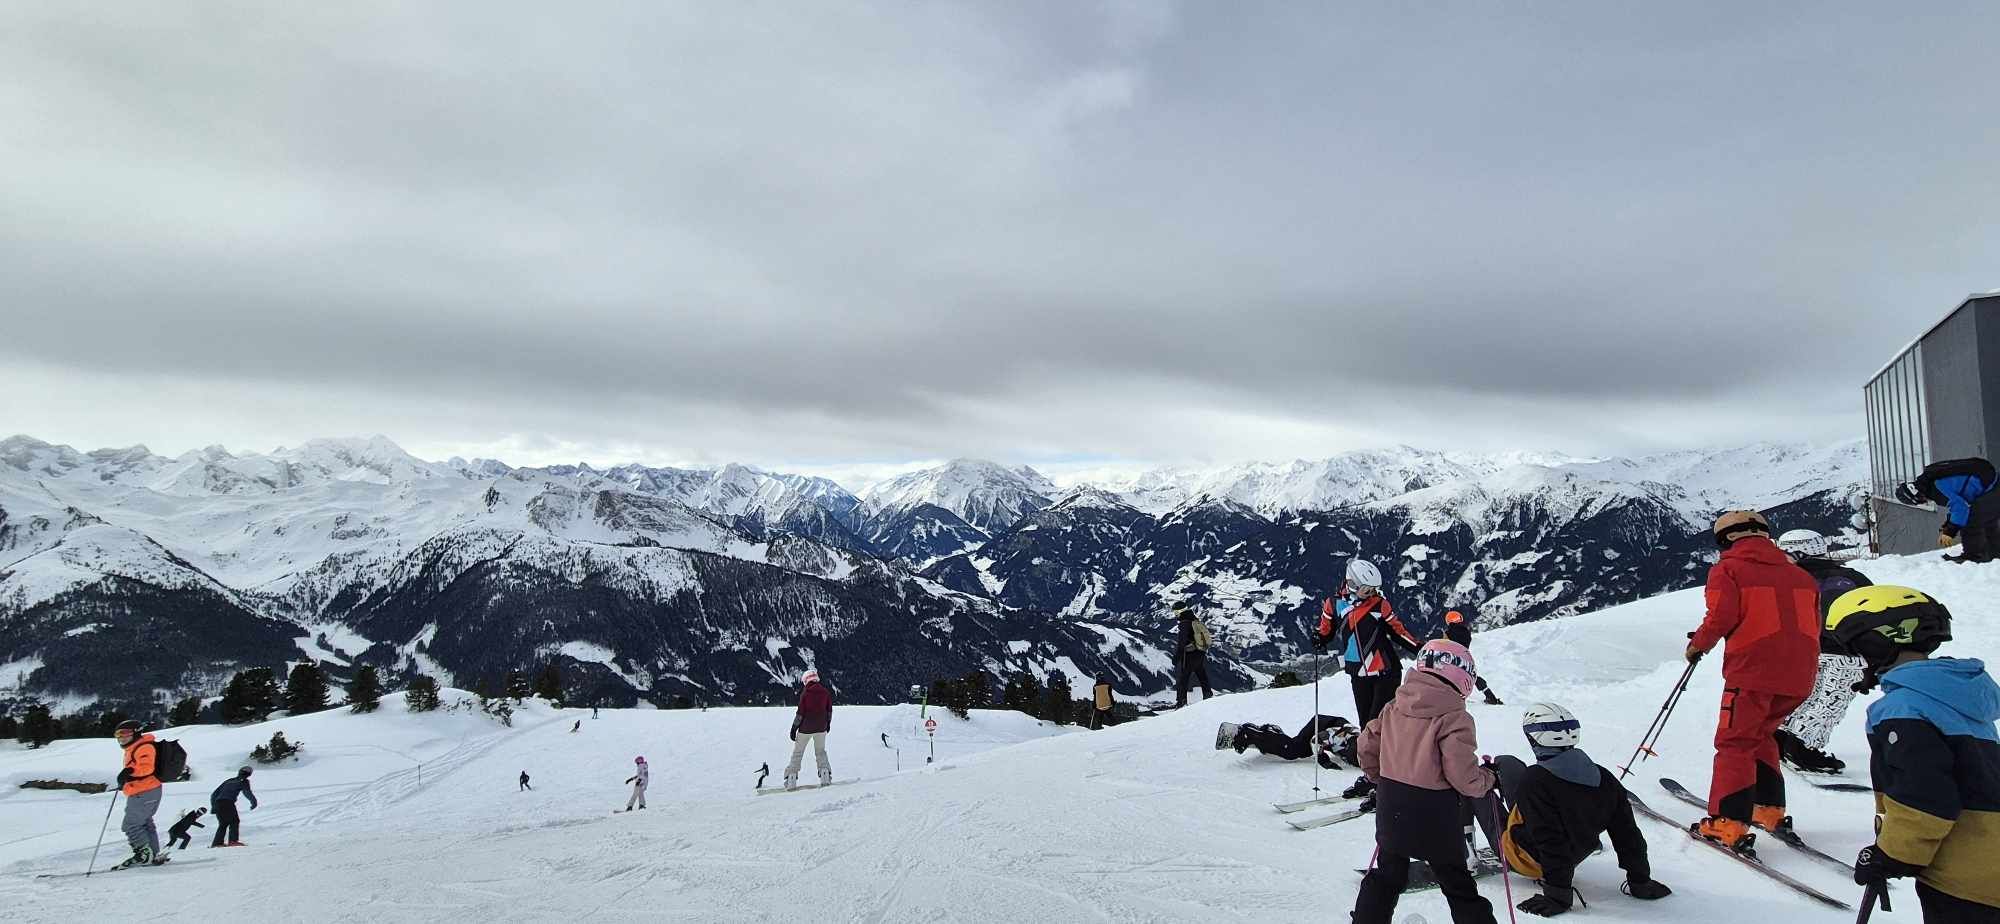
(1804, 757)
(1492, 700)
(142, 856)
(826, 777)
(1771, 818)
(1728, 832)
(1362, 787)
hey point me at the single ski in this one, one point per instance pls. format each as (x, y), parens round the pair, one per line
(803, 788)
(1788, 837)
(1838, 785)
(1324, 820)
(1749, 861)
(1289, 807)
(1225, 735)
(101, 872)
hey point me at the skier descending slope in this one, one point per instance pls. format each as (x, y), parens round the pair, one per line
(1422, 752)
(1768, 609)
(141, 788)
(1802, 739)
(1558, 807)
(1360, 622)
(1935, 755)
(810, 725)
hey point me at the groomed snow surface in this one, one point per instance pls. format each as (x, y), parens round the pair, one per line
(1015, 822)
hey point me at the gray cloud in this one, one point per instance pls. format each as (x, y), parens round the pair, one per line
(803, 234)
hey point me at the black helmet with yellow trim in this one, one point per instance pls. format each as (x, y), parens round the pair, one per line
(1879, 623)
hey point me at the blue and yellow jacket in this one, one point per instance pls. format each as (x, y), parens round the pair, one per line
(1959, 491)
(1936, 766)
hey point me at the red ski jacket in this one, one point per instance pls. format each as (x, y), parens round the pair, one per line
(815, 709)
(1768, 610)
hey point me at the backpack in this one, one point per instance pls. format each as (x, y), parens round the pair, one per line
(170, 761)
(1976, 467)
(1200, 635)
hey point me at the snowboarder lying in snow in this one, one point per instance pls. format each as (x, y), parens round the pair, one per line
(1557, 809)
(1337, 747)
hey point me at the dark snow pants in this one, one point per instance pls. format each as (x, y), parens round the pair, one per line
(1194, 666)
(227, 823)
(1421, 824)
(1373, 693)
(1940, 908)
(1981, 535)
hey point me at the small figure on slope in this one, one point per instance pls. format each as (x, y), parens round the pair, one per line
(524, 783)
(1191, 642)
(1422, 752)
(177, 836)
(809, 726)
(1458, 629)
(1971, 497)
(1767, 608)
(222, 803)
(641, 774)
(142, 793)
(1934, 755)
(578, 726)
(1802, 739)
(1336, 750)
(1558, 808)
(1360, 623)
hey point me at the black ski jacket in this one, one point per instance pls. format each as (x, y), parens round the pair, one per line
(230, 789)
(1557, 823)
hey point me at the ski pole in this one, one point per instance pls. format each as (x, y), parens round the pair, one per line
(1315, 743)
(1659, 726)
(1868, 897)
(1506, 877)
(100, 835)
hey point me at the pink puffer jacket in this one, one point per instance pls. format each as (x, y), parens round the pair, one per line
(1425, 738)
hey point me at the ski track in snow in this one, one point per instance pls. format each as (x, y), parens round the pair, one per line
(1140, 823)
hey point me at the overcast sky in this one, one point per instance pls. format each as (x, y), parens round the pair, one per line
(841, 236)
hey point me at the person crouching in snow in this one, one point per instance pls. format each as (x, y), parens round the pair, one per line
(1934, 755)
(177, 836)
(809, 726)
(1558, 807)
(1768, 610)
(1422, 753)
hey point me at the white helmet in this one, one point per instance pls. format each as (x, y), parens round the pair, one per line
(1362, 573)
(1551, 727)
(1802, 543)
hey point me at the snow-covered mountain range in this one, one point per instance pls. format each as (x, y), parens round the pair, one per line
(129, 575)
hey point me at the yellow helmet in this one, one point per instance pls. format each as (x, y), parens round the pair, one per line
(1879, 622)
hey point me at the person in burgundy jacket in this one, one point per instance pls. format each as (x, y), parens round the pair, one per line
(1767, 608)
(810, 725)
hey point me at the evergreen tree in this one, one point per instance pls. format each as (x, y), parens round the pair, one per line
(10, 727)
(422, 693)
(365, 692)
(250, 696)
(37, 726)
(1286, 679)
(305, 690)
(186, 712)
(1056, 703)
(949, 694)
(1022, 694)
(77, 726)
(519, 687)
(548, 683)
(277, 750)
(108, 722)
(976, 689)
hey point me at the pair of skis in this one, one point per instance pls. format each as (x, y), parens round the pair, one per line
(1747, 859)
(113, 869)
(1289, 808)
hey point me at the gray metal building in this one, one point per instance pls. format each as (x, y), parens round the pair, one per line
(1938, 399)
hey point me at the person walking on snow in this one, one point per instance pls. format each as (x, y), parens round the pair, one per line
(1934, 755)
(1802, 739)
(1768, 610)
(142, 794)
(1457, 629)
(222, 802)
(1968, 490)
(1360, 622)
(1556, 810)
(809, 726)
(638, 779)
(1422, 751)
(524, 783)
(1191, 641)
(177, 836)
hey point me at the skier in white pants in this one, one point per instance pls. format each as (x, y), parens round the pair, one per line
(638, 781)
(814, 718)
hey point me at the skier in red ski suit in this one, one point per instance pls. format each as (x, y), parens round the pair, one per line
(1767, 608)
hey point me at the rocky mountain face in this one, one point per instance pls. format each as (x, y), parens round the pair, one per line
(126, 576)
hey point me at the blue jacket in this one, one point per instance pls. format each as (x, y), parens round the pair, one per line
(1959, 492)
(1935, 762)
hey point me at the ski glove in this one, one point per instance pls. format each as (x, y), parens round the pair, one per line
(1874, 866)
(1946, 540)
(125, 776)
(1553, 901)
(1647, 889)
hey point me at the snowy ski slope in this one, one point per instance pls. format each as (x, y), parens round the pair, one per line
(1016, 822)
